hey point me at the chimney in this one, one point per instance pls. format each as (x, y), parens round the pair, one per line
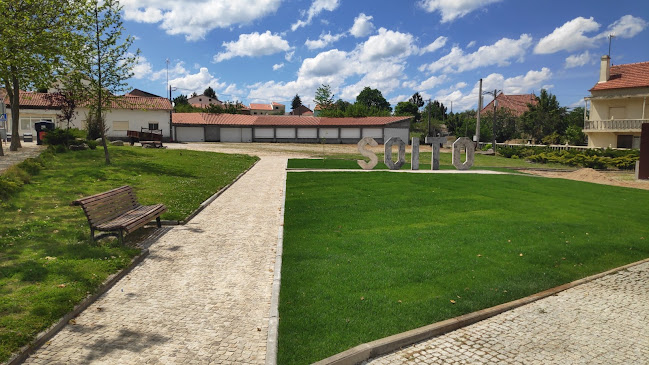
(605, 69)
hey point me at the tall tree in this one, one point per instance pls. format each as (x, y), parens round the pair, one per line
(296, 103)
(373, 98)
(181, 100)
(544, 118)
(324, 97)
(107, 63)
(209, 92)
(35, 38)
(417, 100)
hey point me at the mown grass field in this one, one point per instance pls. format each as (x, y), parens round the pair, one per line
(47, 261)
(371, 255)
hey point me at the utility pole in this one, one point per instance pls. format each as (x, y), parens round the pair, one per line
(428, 107)
(477, 124)
(493, 124)
(610, 37)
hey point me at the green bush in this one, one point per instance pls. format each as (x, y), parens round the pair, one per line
(92, 144)
(593, 158)
(32, 166)
(59, 137)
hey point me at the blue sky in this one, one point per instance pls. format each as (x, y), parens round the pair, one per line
(270, 50)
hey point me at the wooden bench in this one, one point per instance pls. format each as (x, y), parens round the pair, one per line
(117, 210)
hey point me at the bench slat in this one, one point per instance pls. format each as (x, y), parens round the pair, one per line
(91, 198)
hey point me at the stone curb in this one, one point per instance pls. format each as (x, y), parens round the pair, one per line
(47, 334)
(392, 343)
(273, 322)
(208, 201)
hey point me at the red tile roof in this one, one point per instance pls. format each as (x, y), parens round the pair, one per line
(517, 104)
(41, 101)
(261, 106)
(626, 76)
(279, 120)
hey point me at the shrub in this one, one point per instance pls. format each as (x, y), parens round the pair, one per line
(593, 158)
(59, 137)
(32, 166)
(92, 144)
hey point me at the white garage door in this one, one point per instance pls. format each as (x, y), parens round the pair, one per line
(402, 133)
(230, 134)
(190, 134)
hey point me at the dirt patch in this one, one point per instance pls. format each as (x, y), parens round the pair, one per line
(617, 178)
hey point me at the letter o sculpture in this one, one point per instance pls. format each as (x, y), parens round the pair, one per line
(457, 150)
(388, 153)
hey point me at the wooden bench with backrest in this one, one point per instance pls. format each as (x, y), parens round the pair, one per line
(117, 210)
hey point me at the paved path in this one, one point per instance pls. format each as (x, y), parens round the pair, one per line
(29, 149)
(605, 321)
(202, 295)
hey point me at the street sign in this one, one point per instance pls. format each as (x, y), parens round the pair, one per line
(3, 117)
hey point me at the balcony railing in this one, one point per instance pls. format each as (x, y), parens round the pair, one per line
(615, 125)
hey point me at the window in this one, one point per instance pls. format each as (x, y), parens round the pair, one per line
(120, 125)
(25, 124)
(199, 99)
(624, 141)
(153, 126)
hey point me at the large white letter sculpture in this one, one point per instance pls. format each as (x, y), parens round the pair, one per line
(367, 153)
(388, 153)
(470, 152)
(435, 141)
(414, 155)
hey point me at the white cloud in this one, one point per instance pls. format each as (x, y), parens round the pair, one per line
(453, 9)
(196, 82)
(253, 45)
(461, 85)
(499, 53)
(289, 56)
(568, 37)
(471, 44)
(522, 84)
(329, 63)
(277, 66)
(437, 44)
(397, 99)
(195, 18)
(387, 44)
(323, 41)
(142, 69)
(316, 8)
(432, 82)
(626, 27)
(578, 60)
(362, 26)
(384, 77)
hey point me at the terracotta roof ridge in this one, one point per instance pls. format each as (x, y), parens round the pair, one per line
(630, 64)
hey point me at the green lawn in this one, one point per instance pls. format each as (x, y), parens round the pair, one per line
(47, 262)
(371, 255)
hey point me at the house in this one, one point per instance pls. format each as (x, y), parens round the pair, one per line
(202, 101)
(618, 105)
(126, 113)
(197, 127)
(267, 109)
(138, 92)
(516, 104)
(302, 110)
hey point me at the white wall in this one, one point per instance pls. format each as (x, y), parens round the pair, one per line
(264, 133)
(350, 133)
(230, 134)
(190, 134)
(307, 133)
(373, 132)
(328, 133)
(285, 132)
(402, 133)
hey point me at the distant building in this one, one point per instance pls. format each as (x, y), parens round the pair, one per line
(138, 92)
(516, 104)
(202, 101)
(618, 105)
(302, 110)
(267, 109)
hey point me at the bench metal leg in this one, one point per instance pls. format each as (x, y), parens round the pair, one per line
(92, 234)
(157, 221)
(121, 236)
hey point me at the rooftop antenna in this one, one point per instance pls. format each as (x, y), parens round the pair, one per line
(610, 37)
(167, 73)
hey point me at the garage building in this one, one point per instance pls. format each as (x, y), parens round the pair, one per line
(197, 127)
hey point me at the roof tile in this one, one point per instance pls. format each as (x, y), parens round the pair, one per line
(279, 120)
(41, 100)
(626, 76)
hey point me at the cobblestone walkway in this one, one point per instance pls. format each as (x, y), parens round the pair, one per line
(605, 321)
(201, 296)
(29, 149)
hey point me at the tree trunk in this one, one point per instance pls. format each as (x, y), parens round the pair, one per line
(100, 90)
(14, 96)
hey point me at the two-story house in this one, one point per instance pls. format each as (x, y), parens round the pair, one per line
(202, 101)
(618, 105)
